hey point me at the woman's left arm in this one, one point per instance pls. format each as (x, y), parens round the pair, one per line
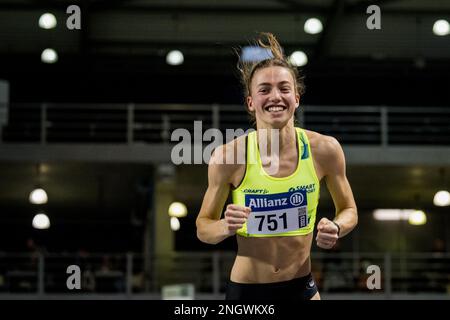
(346, 217)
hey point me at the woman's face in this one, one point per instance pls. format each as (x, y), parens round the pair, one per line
(273, 97)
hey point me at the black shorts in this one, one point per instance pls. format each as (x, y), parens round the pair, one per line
(303, 288)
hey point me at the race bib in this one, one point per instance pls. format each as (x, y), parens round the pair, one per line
(277, 213)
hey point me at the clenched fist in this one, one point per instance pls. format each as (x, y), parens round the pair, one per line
(235, 217)
(327, 234)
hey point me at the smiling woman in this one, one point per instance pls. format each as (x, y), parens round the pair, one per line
(274, 229)
(251, 81)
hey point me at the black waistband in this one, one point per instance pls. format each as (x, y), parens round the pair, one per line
(295, 281)
(302, 288)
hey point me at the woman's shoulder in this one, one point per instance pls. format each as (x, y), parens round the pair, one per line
(228, 160)
(322, 145)
(230, 154)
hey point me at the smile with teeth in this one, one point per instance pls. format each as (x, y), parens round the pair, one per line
(275, 108)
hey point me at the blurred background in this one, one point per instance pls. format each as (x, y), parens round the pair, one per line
(87, 114)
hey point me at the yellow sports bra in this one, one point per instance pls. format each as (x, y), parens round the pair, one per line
(280, 206)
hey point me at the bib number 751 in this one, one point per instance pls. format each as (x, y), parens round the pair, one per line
(277, 221)
(271, 221)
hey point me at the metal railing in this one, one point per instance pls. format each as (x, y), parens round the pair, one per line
(151, 123)
(126, 275)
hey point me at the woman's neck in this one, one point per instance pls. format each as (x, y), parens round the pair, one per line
(286, 136)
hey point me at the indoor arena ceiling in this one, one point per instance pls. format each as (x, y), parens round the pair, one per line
(211, 28)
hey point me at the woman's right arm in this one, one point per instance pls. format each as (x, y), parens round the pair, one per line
(210, 227)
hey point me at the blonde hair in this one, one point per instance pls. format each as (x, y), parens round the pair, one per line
(248, 69)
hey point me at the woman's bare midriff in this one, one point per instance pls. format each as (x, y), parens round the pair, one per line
(272, 259)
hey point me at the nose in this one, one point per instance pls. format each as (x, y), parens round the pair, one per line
(275, 95)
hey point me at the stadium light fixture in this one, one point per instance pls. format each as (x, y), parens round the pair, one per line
(313, 26)
(175, 58)
(47, 21)
(41, 221)
(49, 56)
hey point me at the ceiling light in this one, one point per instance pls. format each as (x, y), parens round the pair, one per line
(47, 21)
(298, 58)
(313, 26)
(392, 214)
(38, 196)
(177, 209)
(41, 221)
(49, 56)
(174, 224)
(442, 198)
(175, 58)
(441, 28)
(417, 218)
(414, 217)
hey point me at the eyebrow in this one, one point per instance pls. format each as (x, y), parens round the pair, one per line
(269, 84)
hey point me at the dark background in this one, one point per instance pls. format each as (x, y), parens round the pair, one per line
(119, 57)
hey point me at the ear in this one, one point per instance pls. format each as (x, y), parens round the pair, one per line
(250, 104)
(297, 101)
